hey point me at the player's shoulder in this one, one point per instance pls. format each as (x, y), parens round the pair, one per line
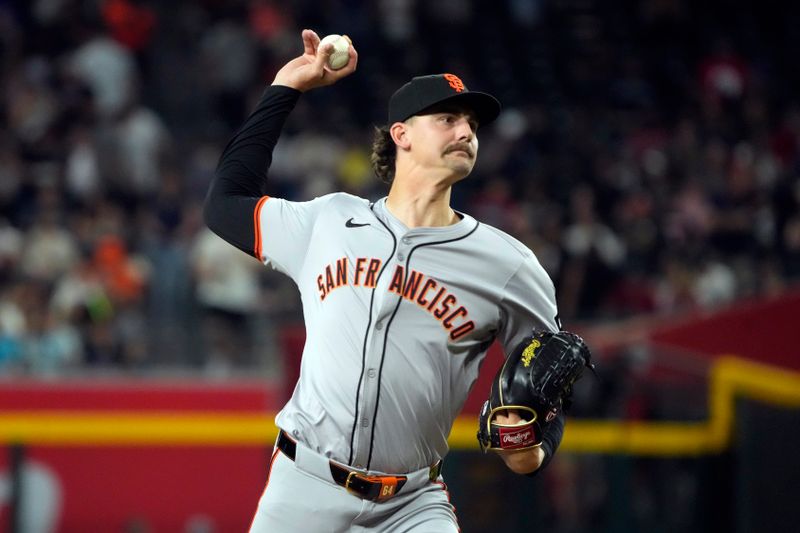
(342, 204)
(343, 200)
(351, 199)
(326, 203)
(499, 240)
(527, 269)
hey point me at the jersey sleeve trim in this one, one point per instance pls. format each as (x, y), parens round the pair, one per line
(257, 226)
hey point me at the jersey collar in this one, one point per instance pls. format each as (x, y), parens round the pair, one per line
(453, 231)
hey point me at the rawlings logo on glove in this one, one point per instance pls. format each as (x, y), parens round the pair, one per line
(516, 438)
(529, 352)
(535, 380)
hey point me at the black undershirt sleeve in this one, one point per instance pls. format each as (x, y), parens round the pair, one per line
(241, 175)
(551, 439)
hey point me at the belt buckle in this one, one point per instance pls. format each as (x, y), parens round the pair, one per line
(349, 480)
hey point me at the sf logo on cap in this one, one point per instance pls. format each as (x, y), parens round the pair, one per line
(455, 82)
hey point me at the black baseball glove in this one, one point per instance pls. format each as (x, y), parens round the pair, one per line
(536, 380)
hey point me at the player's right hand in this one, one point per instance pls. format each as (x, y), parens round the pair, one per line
(310, 69)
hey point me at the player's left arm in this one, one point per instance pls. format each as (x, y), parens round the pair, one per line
(530, 304)
(520, 420)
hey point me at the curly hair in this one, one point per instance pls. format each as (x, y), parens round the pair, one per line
(384, 154)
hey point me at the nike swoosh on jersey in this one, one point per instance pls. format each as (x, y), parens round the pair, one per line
(351, 224)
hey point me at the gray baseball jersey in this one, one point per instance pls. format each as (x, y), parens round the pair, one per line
(398, 321)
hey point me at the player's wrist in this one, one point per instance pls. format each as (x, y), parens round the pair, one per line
(287, 82)
(523, 461)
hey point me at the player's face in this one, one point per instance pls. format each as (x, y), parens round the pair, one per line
(446, 138)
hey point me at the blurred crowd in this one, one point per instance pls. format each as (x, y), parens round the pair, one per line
(648, 152)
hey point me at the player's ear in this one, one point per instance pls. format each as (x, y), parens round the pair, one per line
(400, 135)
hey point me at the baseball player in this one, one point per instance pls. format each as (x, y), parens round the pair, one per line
(401, 299)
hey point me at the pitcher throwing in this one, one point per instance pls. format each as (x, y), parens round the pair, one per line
(401, 298)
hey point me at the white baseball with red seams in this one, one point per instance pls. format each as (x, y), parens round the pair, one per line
(341, 50)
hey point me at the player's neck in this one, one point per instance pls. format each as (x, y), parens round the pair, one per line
(418, 207)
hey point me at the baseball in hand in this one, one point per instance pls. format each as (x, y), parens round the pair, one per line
(340, 55)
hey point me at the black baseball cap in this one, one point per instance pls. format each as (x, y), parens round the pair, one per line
(424, 92)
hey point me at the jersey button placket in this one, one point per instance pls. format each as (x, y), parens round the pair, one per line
(370, 390)
(385, 304)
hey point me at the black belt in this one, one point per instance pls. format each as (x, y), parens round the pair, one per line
(373, 488)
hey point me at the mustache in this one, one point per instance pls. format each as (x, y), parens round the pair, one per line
(464, 147)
